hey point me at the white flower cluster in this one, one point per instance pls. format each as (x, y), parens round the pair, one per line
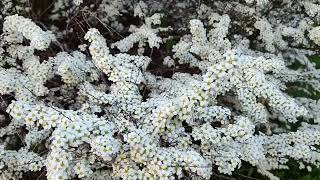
(105, 147)
(8, 7)
(163, 165)
(141, 35)
(210, 48)
(121, 67)
(19, 26)
(172, 104)
(74, 68)
(314, 34)
(312, 9)
(78, 2)
(72, 129)
(266, 34)
(14, 163)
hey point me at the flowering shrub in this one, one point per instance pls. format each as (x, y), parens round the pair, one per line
(158, 90)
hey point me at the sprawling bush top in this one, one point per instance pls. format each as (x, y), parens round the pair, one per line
(120, 89)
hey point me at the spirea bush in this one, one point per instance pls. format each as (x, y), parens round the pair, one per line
(121, 89)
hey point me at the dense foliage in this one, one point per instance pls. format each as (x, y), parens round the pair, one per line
(186, 89)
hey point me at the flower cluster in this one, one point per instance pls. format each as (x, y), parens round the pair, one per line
(141, 35)
(18, 27)
(158, 90)
(14, 163)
